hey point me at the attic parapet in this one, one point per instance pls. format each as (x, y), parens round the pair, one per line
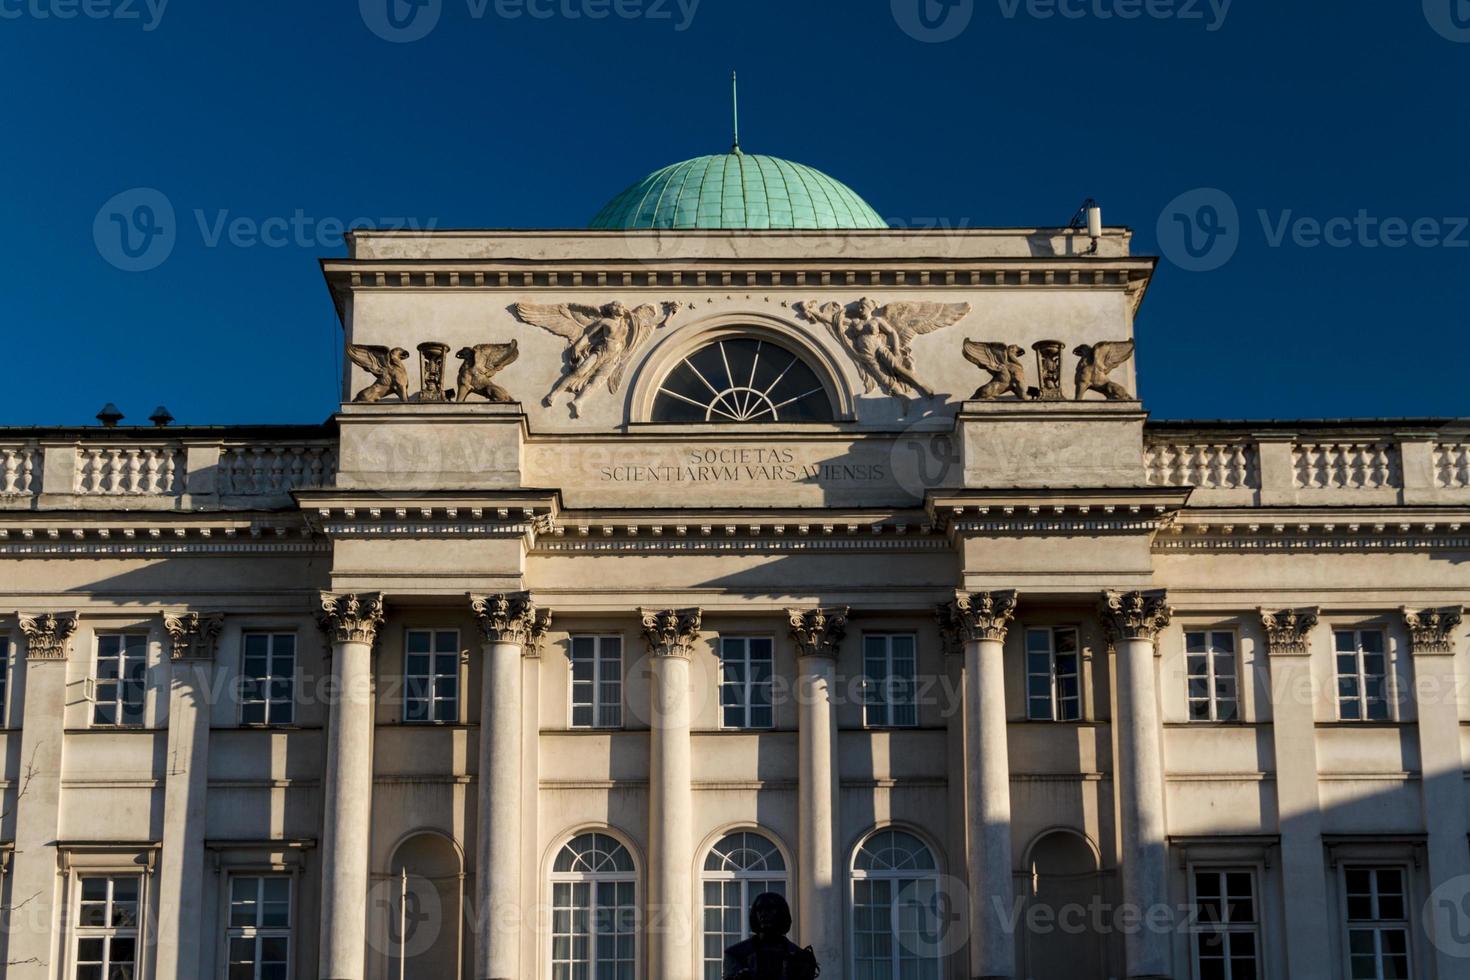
(146, 470)
(1315, 464)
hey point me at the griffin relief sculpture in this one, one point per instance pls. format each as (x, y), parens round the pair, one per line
(879, 338)
(481, 363)
(600, 341)
(1003, 361)
(1093, 364)
(386, 365)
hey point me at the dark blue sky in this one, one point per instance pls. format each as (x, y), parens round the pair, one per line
(260, 110)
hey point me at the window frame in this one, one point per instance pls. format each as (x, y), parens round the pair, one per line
(119, 702)
(137, 932)
(1361, 699)
(270, 676)
(1406, 925)
(599, 707)
(593, 879)
(889, 704)
(433, 676)
(855, 875)
(1054, 677)
(1255, 928)
(748, 686)
(745, 879)
(1212, 699)
(257, 933)
(7, 671)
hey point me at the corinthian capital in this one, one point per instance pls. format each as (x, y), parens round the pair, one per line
(193, 635)
(48, 635)
(1288, 630)
(984, 615)
(670, 632)
(350, 617)
(1136, 615)
(818, 632)
(510, 617)
(1432, 630)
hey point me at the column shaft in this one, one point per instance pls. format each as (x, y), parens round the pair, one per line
(1140, 782)
(988, 796)
(31, 922)
(181, 867)
(671, 821)
(819, 892)
(498, 847)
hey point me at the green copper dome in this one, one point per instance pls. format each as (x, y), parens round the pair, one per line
(737, 190)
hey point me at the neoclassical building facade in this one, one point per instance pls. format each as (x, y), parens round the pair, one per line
(737, 544)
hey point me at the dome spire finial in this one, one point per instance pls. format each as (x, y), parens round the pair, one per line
(735, 105)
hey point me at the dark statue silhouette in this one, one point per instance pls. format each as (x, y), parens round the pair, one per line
(768, 954)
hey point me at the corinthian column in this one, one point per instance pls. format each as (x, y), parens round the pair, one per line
(351, 624)
(192, 640)
(982, 619)
(508, 623)
(1134, 620)
(1299, 807)
(818, 634)
(671, 634)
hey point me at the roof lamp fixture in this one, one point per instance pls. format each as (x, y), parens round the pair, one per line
(1089, 214)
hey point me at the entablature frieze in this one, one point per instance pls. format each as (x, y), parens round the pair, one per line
(370, 515)
(1326, 529)
(43, 535)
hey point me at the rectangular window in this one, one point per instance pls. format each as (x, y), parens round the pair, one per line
(1053, 675)
(1214, 694)
(431, 676)
(4, 683)
(121, 683)
(1377, 923)
(259, 933)
(890, 679)
(597, 682)
(268, 679)
(1362, 675)
(107, 928)
(746, 668)
(1226, 924)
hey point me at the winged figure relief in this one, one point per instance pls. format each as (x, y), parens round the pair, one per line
(879, 339)
(1094, 361)
(1003, 361)
(387, 365)
(600, 341)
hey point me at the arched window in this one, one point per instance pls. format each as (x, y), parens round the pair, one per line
(740, 867)
(897, 922)
(594, 911)
(742, 379)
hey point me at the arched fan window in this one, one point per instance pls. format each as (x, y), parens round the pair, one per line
(898, 914)
(594, 910)
(739, 867)
(742, 380)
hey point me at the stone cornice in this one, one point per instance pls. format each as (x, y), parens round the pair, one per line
(351, 617)
(1432, 631)
(818, 632)
(1136, 615)
(1264, 532)
(193, 635)
(983, 615)
(33, 535)
(1288, 631)
(670, 632)
(963, 513)
(48, 635)
(510, 617)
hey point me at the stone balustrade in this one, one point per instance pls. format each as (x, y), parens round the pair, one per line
(184, 472)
